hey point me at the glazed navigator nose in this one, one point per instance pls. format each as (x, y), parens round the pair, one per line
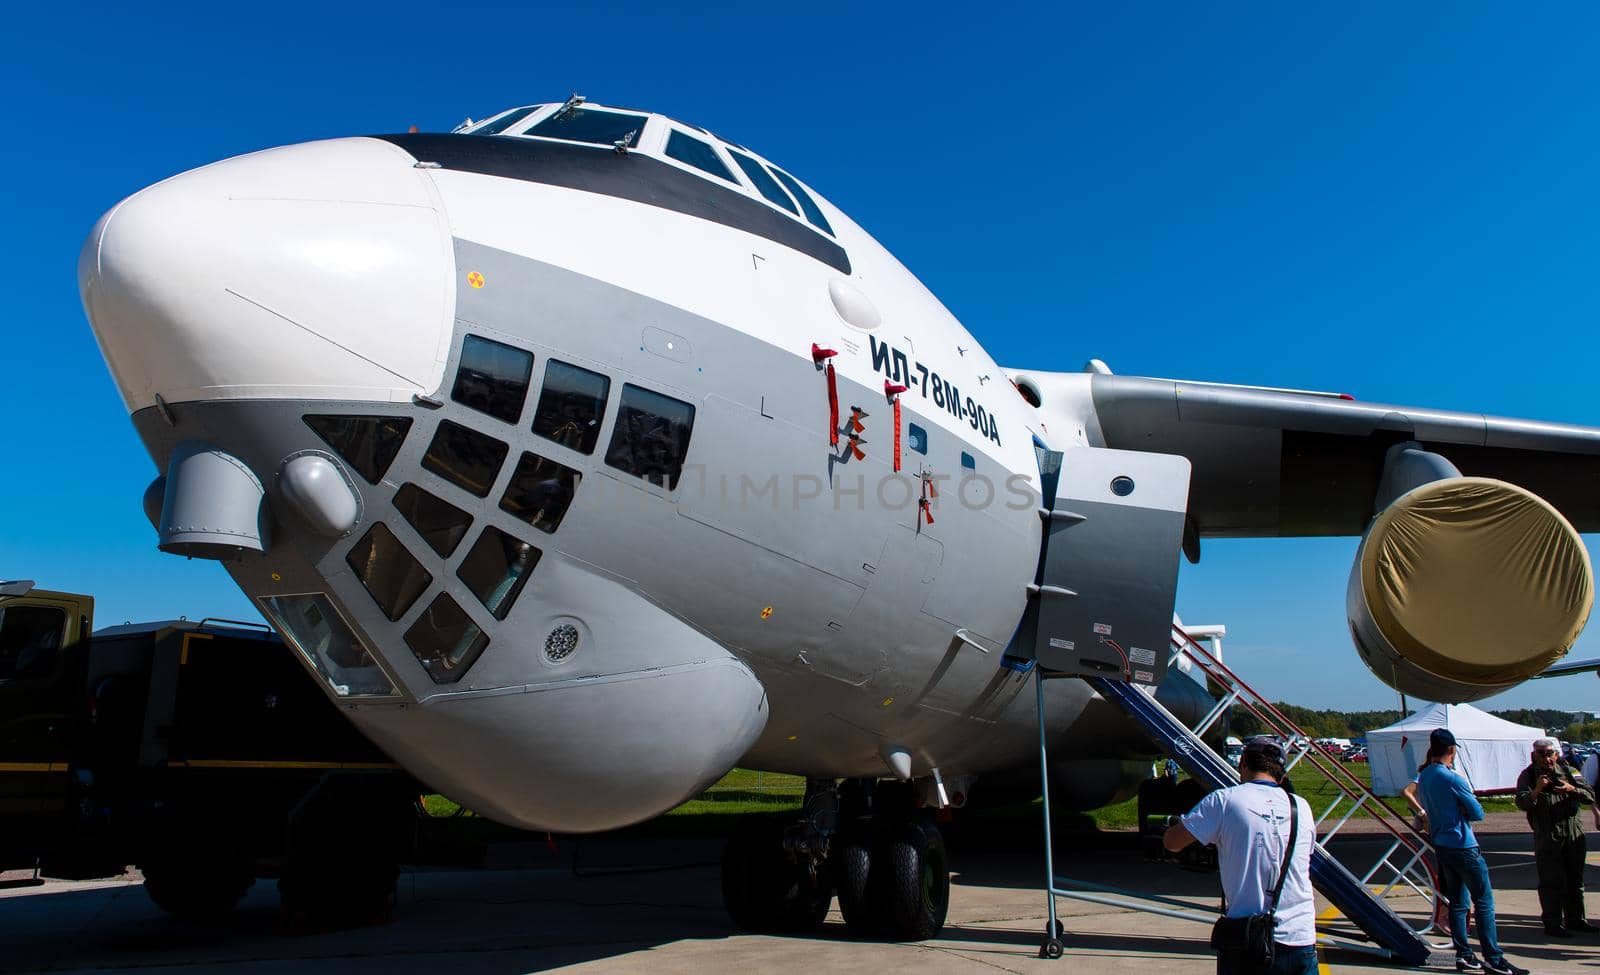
(322, 270)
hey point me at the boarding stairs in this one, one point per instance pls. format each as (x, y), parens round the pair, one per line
(1387, 909)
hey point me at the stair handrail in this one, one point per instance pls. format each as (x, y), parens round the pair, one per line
(1343, 779)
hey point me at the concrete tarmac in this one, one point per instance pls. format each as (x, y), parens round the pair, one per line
(654, 904)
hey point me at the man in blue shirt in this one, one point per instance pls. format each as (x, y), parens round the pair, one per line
(1463, 877)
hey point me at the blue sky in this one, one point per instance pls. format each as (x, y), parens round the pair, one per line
(1397, 203)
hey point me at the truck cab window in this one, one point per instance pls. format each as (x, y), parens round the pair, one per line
(651, 437)
(30, 641)
(571, 406)
(492, 378)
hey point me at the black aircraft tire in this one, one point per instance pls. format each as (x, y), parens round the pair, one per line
(763, 891)
(197, 887)
(852, 869)
(911, 882)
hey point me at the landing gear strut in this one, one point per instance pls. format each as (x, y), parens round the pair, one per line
(777, 879)
(891, 866)
(887, 862)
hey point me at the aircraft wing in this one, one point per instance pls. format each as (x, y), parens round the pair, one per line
(1283, 462)
(1568, 669)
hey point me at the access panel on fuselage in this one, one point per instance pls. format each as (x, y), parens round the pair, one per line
(1111, 564)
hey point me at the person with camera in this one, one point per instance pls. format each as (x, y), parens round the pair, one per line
(1551, 795)
(1451, 809)
(1264, 837)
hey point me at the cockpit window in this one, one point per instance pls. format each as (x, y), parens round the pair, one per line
(540, 491)
(492, 378)
(571, 405)
(391, 574)
(766, 184)
(505, 121)
(367, 443)
(651, 437)
(807, 204)
(441, 524)
(496, 568)
(315, 628)
(700, 155)
(445, 640)
(464, 457)
(593, 126)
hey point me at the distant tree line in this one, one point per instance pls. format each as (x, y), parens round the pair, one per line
(1354, 724)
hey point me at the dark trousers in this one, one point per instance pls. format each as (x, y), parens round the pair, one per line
(1561, 881)
(1285, 961)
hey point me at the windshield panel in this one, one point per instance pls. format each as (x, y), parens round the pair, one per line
(766, 184)
(592, 126)
(813, 213)
(505, 121)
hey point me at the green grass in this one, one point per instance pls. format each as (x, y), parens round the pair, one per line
(746, 792)
(1319, 791)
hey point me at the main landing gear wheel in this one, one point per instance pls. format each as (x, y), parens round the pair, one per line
(910, 882)
(852, 871)
(765, 891)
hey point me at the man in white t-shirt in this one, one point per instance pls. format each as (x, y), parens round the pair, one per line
(1249, 823)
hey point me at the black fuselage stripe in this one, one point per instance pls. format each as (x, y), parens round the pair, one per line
(627, 176)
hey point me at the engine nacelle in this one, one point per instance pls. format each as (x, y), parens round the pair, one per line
(1464, 586)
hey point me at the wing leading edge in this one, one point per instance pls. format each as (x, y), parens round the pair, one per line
(1279, 463)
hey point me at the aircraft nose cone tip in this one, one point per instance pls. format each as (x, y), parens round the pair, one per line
(318, 270)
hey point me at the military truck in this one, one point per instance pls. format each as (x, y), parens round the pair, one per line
(200, 752)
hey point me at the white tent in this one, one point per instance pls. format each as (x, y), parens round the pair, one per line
(1491, 752)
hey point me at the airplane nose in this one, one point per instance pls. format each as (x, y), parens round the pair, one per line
(321, 270)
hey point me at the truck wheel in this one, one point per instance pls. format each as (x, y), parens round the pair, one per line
(343, 848)
(340, 894)
(199, 886)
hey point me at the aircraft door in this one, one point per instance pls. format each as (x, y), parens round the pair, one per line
(1110, 572)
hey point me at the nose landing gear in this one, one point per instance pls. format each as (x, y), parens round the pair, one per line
(886, 860)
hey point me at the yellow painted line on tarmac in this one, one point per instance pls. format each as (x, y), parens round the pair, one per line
(33, 766)
(1328, 914)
